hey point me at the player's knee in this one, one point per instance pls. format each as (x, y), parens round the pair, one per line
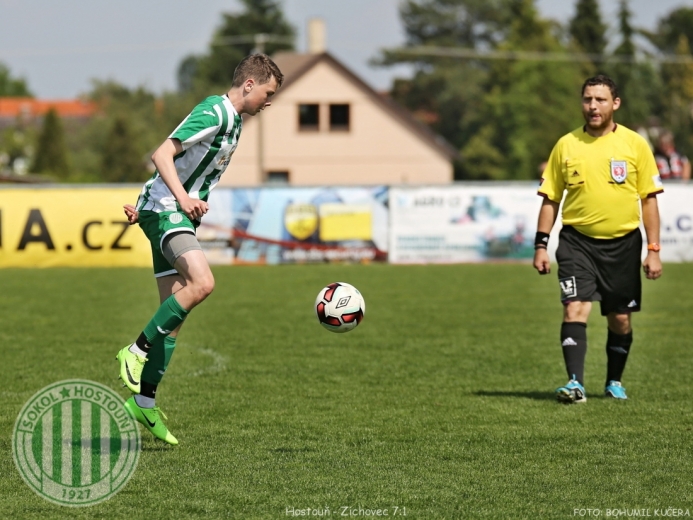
(577, 311)
(619, 323)
(207, 286)
(202, 288)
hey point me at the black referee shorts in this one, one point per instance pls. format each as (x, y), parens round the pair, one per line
(607, 271)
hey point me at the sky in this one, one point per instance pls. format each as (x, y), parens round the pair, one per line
(60, 46)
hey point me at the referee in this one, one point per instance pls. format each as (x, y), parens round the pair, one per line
(606, 172)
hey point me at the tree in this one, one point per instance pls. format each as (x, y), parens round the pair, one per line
(234, 40)
(672, 100)
(529, 104)
(482, 160)
(504, 115)
(638, 82)
(466, 23)
(446, 93)
(51, 153)
(11, 86)
(678, 80)
(670, 29)
(148, 118)
(587, 28)
(16, 147)
(627, 46)
(145, 112)
(120, 161)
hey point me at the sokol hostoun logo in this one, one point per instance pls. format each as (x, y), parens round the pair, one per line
(74, 444)
(175, 218)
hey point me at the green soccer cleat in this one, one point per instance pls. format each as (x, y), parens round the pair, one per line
(131, 366)
(151, 418)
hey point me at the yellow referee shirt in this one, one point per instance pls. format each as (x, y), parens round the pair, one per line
(605, 178)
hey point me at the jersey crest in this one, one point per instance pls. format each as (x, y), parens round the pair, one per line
(619, 171)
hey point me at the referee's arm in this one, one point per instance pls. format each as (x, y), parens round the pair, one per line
(650, 219)
(547, 217)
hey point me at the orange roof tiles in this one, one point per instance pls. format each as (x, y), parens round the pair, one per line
(15, 106)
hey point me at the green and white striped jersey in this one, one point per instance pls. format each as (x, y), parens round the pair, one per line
(209, 135)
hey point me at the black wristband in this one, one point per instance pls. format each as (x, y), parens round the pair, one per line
(541, 240)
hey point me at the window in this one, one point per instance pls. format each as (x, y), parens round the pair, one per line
(278, 177)
(339, 117)
(309, 117)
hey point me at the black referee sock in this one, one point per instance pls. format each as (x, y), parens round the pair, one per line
(617, 350)
(574, 343)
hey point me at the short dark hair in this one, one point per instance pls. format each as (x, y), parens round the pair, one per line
(258, 67)
(601, 79)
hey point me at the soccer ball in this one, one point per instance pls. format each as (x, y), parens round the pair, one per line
(340, 307)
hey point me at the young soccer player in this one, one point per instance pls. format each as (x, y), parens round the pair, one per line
(169, 208)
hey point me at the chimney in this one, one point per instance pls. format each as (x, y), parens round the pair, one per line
(317, 36)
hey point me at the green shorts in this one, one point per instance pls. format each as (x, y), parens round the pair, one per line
(156, 227)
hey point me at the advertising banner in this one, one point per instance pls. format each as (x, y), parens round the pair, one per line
(295, 225)
(472, 223)
(476, 223)
(676, 215)
(85, 226)
(50, 227)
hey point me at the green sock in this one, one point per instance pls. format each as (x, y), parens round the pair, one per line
(169, 315)
(158, 359)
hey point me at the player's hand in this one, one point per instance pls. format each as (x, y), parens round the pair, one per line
(541, 261)
(652, 266)
(193, 208)
(131, 213)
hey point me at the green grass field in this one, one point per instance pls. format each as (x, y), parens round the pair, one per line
(439, 404)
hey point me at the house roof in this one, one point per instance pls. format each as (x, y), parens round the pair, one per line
(294, 65)
(12, 107)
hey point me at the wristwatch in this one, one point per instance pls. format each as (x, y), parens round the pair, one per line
(654, 247)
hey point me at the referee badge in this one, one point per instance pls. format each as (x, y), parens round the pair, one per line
(619, 171)
(568, 288)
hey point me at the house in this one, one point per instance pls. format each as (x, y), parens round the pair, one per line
(30, 109)
(327, 126)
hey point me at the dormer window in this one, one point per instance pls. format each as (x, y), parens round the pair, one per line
(339, 117)
(309, 117)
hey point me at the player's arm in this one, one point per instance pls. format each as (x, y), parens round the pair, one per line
(650, 219)
(163, 160)
(131, 213)
(547, 218)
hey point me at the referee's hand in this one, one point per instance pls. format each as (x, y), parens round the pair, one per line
(652, 266)
(541, 260)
